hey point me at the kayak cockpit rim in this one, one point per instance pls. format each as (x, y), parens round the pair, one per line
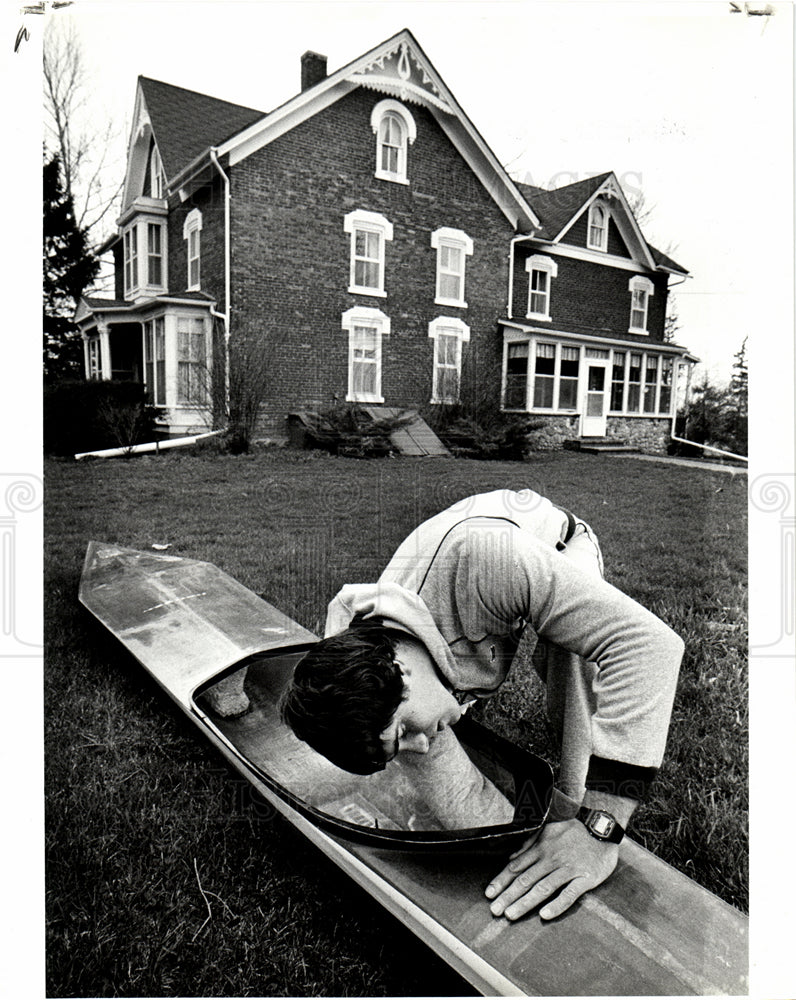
(532, 773)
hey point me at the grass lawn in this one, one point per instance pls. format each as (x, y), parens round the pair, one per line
(149, 832)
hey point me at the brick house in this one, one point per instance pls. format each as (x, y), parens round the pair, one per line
(361, 242)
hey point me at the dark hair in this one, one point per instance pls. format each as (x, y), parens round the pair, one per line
(344, 693)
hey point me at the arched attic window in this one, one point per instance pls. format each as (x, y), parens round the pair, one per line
(598, 227)
(395, 129)
(156, 186)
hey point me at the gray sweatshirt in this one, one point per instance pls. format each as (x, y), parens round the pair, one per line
(469, 581)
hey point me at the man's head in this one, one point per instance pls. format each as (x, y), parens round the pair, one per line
(362, 695)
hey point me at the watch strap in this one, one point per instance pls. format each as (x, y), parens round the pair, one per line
(601, 825)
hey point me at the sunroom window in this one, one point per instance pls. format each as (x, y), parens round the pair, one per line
(650, 383)
(544, 376)
(634, 384)
(516, 395)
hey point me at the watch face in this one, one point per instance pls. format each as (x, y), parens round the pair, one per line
(602, 824)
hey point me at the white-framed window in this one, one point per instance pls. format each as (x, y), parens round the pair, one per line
(544, 375)
(155, 360)
(448, 334)
(618, 381)
(640, 290)
(395, 129)
(515, 396)
(192, 366)
(453, 246)
(541, 271)
(157, 184)
(130, 242)
(94, 359)
(366, 327)
(154, 254)
(634, 383)
(369, 231)
(191, 233)
(597, 238)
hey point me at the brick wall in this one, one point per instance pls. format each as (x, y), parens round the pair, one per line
(291, 258)
(210, 202)
(587, 297)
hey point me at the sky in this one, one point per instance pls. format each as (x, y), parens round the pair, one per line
(683, 101)
(687, 102)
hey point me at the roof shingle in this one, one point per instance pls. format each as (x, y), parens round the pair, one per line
(186, 123)
(556, 208)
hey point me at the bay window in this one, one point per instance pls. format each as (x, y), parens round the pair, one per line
(155, 360)
(192, 367)
(130, 241)
(154, 253)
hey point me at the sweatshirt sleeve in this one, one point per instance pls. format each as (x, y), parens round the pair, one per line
(504, 576)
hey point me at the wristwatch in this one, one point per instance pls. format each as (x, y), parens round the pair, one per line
(601, 824)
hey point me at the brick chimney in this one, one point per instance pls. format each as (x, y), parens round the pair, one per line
(313, 69)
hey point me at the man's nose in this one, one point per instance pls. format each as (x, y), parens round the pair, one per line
(414, 742)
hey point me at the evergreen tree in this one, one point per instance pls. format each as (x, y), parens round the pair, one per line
(69, 266)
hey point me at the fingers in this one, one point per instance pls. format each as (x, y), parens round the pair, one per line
(519, 862)
(568, 895)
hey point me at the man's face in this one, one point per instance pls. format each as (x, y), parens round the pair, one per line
(428, 706)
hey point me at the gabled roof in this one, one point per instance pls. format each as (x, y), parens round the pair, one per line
(186, 123)
(556, 208)
(400, 68)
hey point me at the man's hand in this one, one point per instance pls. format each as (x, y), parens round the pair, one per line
(565, 856)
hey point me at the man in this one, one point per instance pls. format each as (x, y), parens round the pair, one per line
(440, 628)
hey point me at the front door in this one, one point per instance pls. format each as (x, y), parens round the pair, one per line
(595, 405)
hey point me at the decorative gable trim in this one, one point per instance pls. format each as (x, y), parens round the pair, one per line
(411, 77)
(623, 217)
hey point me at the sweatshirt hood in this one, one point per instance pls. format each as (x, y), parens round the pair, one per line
(400, 609)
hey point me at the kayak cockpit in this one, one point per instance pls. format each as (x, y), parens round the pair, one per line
(404, 806)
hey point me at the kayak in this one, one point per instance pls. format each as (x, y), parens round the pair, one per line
(224, 655)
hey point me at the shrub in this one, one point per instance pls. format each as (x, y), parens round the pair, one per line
(486, 434)
(348, 430)
(88, 416)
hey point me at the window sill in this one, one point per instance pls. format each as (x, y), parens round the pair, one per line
(375, 292)
(539, 316)
(635, 329)
(381, 175)
(363, 398)
(649, 416)
(591, 246)
(434, 401)
(454, 303)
